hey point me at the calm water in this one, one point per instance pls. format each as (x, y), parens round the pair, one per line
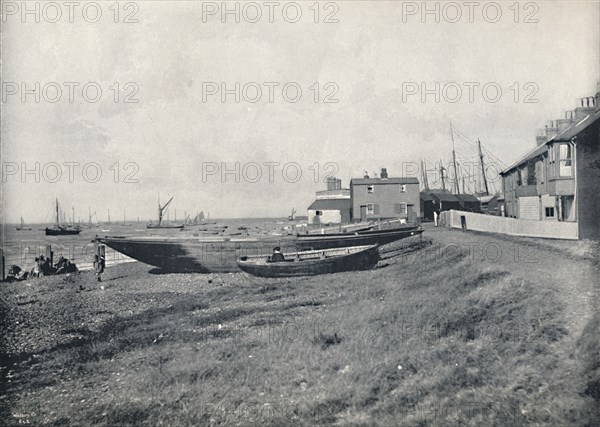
(22, 247)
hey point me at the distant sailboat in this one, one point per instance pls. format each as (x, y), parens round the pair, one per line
(292, 217)
(59, 230)
(161, 211)
(22, 226)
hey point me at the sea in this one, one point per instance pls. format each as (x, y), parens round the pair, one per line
(21, 247)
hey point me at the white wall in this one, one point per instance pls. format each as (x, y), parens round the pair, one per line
(332, 216)
(511, 226)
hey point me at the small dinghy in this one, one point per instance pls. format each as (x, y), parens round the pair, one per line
(312, 263)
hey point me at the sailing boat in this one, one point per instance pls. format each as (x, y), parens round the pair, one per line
(292, 217)
(59, 230)
(161, 211)
(22, 226)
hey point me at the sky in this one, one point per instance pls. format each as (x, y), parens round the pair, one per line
(378, 88)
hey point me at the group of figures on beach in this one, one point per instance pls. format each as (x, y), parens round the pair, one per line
(43, 267)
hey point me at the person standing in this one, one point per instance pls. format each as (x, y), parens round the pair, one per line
(436, 213)
(99, 264)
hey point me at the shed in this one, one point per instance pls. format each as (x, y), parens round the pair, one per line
(329, 211)
(445, 200)
(468, 202)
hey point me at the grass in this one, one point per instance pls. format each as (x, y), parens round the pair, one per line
(410, 343)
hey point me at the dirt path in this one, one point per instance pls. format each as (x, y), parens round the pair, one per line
(574, 279)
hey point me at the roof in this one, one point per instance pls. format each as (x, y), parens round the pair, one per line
(444, 197)
(425, 197)
(400, 180)
(576, 129)
(330, 204)
(537, 151)
(467, 198)
(487, 199)
(564, 136)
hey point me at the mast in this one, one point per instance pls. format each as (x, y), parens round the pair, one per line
(109, 216)
(487, 191)
(424, 175)
(442, 175)
(454, 161)
(73, 218)
(159, 210)
(57, 220)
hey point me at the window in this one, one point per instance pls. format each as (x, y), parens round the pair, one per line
(531, 177)
(370, 208)
(565, 160)
(370, 189)
(549, 212)
(403, 188)
(319, 213)
(551, 160)
(400, 208)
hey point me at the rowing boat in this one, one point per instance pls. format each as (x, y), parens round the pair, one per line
(311, 263)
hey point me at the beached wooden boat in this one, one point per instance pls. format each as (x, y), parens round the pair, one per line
(312, 263)
(207, 254)
(359, 238)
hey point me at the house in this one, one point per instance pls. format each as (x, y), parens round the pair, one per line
(558, 181)
(332, 206)
(385, 197)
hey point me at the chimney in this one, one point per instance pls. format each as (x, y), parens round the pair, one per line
(597, 96)
(384, 174)
(566, 123)
(551, 129)
(331, 183)
(585, 106)
(540, 138)
(366, 176)
(338, 184)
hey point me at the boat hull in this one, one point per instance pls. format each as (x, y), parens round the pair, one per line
(380, 237)
(194, 255)
(332, 261)
(61, 232)
(220, 255)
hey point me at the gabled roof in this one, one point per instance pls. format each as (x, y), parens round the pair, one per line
(330, 204)
(368, 181)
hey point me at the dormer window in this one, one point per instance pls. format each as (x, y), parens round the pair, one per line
(370, 189)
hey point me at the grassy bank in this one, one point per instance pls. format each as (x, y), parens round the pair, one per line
(421, 339)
